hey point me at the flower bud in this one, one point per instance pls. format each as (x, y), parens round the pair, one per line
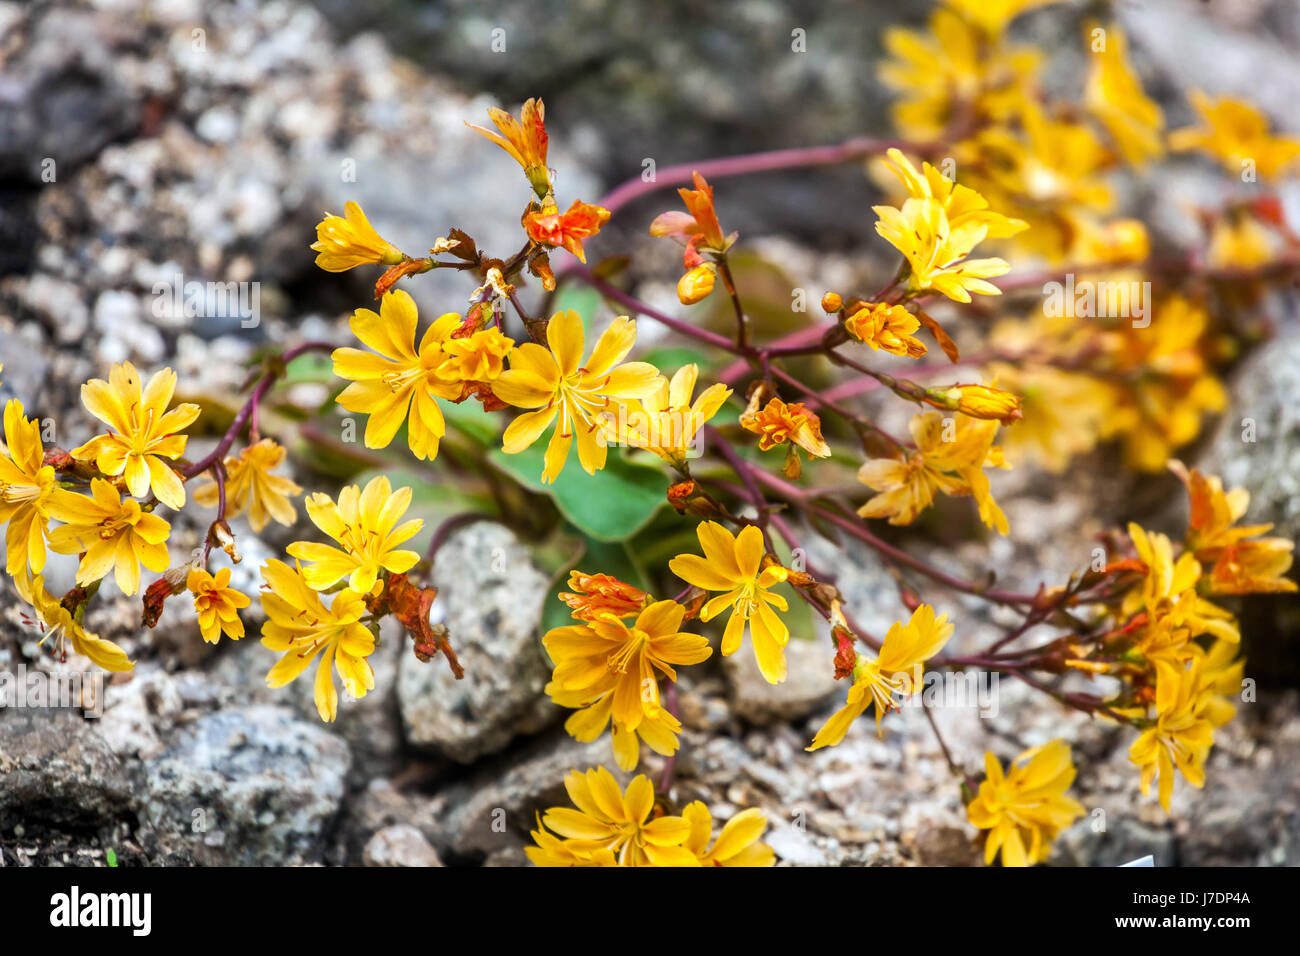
(832, 302)
(696, 284)
(977, 401)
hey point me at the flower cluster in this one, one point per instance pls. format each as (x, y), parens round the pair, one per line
(611, 827)
(494, 394)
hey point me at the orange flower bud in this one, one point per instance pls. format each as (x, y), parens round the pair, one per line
(832, 302)
(597, 594)
(696, 284)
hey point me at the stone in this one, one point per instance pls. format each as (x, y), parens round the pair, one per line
(134, 709)
(66, 63)
(810, 682)
(249, 787)
(55, 770)
(400, 845)
(491, 594)
(1257, 445)
(497, 807)
(1124, 840)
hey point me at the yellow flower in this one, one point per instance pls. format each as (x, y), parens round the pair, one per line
(1168, 590)
(365, 524)
(1064, 413)
(897, 670)
(1236, 134)
(1253, 567)
(26, 490)
(114, 534)
(1119, 241)
(1180, 736)
(59, 623)
(1114, 95)
(992, 16)
(1169, 386)
(1026, 808)
(667, 422)
(300, 626)
(1243, 563)
(962, 205)
(478, 357)
(524, 139)
(733, 564)
(1221, 680)
(611, 669)
(217, 604)
(888, 328)
(736, 845)
(658, 731)
(344, 244)
(951, 456)
(144, 432)
(937, 250)
(251, 487)
(1241, 242)
(612, 823)
(953, 71)
(557, 382)
(401, 380)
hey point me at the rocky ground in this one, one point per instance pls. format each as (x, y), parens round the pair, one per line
(205, 138)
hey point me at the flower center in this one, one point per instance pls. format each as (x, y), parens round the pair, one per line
(629, 650)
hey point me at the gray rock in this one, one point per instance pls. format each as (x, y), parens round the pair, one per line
(381, 805)
(492, 596)
(25, 370)
(1257, 445)
(496, 808)
(55, 770)
(134, 710)
(1123, 840)
(810, 682)
(65, 64)
(255, 786)
(370, 726)
(400, 845)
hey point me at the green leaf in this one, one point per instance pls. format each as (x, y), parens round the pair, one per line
(310, 367)
(470, 419)
(611, 505)
(804, 623)
(579, 297)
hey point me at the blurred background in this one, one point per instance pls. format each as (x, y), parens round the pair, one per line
(142, 141)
